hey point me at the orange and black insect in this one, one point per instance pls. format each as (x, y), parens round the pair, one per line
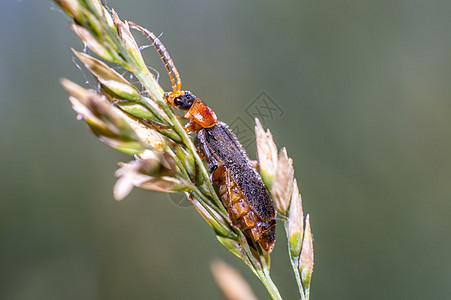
(241, 188)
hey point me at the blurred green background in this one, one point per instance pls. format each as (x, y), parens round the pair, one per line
(365, 90)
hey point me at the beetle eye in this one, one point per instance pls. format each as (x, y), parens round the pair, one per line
(177, 101)
(185, 101)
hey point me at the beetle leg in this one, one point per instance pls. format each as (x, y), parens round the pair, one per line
(196, 172)
(200, 152)
(190, 197)
(191, 127)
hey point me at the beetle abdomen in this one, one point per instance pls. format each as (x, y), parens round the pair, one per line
(240, 211)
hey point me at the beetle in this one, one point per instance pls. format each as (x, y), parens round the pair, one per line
(241, 188)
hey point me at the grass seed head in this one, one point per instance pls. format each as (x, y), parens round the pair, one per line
(295, 222)
(154, 172)
(283, 182)
(116, 85)
(306, 258)
(231, 283)
(267, 153)
(102, 118)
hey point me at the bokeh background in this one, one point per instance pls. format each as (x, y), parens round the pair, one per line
(365, 93)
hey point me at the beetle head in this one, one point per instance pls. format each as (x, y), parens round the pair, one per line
(183, 100)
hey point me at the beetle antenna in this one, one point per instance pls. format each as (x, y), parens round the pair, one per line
(164, 55)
